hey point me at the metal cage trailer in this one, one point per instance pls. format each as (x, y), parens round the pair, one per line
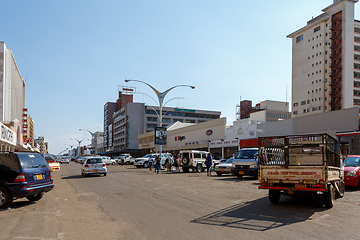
(301, 165)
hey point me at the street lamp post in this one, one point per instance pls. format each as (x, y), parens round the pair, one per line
(92, 136)
(161, 97)
(79, 141)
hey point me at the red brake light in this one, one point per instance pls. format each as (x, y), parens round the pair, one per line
(86, 165)
(20, 178)
(104, 165)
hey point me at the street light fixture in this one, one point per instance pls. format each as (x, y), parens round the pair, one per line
(79, 141)
(161, 97)
(92, 136)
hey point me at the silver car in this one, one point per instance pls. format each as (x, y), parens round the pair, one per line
(223, 168)
(93, 165)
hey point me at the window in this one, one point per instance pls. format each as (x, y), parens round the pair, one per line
(295, 112)
(296, 104)
(299, 38)
(303, 102)
(314, 108)
(317, 29)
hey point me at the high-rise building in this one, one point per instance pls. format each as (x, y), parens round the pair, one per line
(12, 87)
(109, 109)
(326, 61)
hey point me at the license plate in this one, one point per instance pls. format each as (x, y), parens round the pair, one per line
(39, 177)
(300, 185)
(241, 172)
(96, 170)
(221, 170)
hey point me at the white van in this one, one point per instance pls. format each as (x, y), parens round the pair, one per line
(193, 159)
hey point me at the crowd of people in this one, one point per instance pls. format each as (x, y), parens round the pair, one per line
(155, 162)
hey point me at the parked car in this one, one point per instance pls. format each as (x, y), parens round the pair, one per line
(50, 158)
(125, 158)
(108, 160)
(193, 159)
(93, 166)
(23, 175)
(352, 171)
(65, 160)
(224, 168)
(143, 161)
(245, 162)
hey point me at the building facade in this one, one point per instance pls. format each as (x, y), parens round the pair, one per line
(109, 109)
(12, 87)
(326, 61)
(137, 118)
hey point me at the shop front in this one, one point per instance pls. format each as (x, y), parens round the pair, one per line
(181, 136)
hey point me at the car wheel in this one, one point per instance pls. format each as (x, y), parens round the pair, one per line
(199, 168)
(5, 198)
(146, 164)
(329, 197)
(239, 176)
(274, 196)
(113, 163)
(219, 174)
(127, 163)
(358, 185)
(36, 197)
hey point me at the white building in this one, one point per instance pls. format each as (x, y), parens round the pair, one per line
(12, 87)
(326, 61)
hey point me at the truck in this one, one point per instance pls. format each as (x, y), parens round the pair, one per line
(301, 165)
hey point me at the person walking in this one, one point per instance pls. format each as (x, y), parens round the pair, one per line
(176, 163)
(208, 164)
(151, 161)
(157, 162)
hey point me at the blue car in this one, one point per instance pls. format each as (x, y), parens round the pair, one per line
(23, 175)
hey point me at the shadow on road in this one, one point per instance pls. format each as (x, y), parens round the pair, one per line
(19, 204)
(261, 215)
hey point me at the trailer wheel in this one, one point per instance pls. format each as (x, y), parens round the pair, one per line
(274, 196)
(329, 197)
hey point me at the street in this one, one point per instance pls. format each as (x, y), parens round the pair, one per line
(132, 203)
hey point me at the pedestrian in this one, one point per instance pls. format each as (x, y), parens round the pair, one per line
(176, 163)
(151, 160)
(157, 162)
(208, 164)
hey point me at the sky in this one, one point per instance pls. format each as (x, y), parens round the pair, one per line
(74, 55)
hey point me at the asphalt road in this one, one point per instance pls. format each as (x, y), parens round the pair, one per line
(131, 203)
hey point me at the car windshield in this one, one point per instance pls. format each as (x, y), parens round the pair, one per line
(32, 161)
(230, 160)
(147, 156)
(352, 162)
(246, 154)
(94, 160)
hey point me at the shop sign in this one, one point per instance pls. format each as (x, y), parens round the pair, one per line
(179, 138)
(209, 132)
(160, 135)
(7, 135)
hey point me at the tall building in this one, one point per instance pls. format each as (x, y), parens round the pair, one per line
(109, 109)
(326, 61)
(12, 87)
